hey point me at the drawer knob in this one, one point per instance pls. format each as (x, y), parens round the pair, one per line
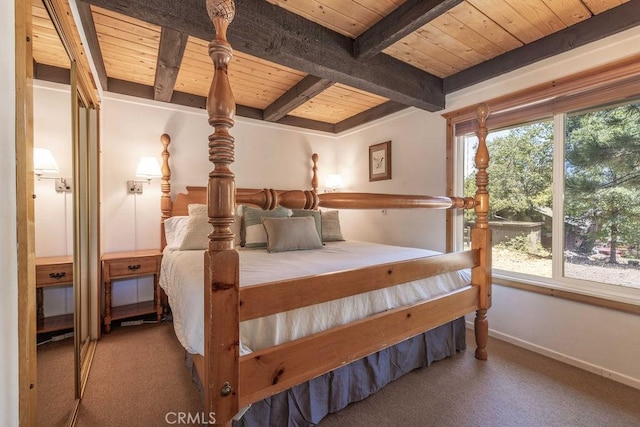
(134, 267)
(57, 276)
(226, 389)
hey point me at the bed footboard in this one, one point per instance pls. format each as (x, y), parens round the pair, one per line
(231, 382)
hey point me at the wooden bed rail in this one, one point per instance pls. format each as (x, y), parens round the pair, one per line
(278, 368)
(277, 297)
(296, 199)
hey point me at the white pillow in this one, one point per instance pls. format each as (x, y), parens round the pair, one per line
(174, 230)
(198, 228)
(201, 209)
(198, 209)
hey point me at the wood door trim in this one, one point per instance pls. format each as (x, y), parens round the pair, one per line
(25, 228)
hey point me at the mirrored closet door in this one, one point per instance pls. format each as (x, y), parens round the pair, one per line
(86, 264)
(66, 221)
(54, 219)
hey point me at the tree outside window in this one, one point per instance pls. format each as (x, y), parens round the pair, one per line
(601, 205)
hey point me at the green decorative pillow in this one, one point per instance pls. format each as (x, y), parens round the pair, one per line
(314, 214)
(254, 234)
(291, 234)
(331, 227)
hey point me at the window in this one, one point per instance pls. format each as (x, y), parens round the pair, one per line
(520, 196)
(602, 195)
(564, 198)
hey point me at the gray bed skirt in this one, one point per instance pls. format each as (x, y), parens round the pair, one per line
(306, 404)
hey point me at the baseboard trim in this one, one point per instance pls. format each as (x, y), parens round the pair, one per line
(569, 360)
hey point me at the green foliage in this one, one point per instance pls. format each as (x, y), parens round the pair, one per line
(520, 172)
(524, 245)
(602, 174)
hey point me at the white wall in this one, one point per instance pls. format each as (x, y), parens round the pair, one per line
(267, 156)
(418, 151)
(8, 249)
(53, 210)
(600, 340)
(603, 341)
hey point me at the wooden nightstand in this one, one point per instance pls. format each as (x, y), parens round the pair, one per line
(52, 271)
(128, 265)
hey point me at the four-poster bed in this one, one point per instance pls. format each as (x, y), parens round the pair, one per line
(232, 380)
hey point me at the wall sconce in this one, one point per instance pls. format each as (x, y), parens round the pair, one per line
(148, 168)
(45, 163)
(334, 183)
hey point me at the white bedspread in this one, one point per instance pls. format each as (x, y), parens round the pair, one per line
(182, 278)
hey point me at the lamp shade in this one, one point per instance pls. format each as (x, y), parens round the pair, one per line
(334, 182)
(148, 168)
(43, 162)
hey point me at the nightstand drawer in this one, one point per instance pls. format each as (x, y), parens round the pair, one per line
(52, 275)
(133, 267)
(127, 265)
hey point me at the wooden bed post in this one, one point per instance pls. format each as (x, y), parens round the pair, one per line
(165, 187)
(481, 235)
(221, 259)
(314, 178)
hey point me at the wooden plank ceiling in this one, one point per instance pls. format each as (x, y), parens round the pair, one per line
(328, 64)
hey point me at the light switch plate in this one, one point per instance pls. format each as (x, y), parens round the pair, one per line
(134, 187)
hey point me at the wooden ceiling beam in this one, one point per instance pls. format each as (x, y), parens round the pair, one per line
(89, 27)
(371, 114)
(186, 99)
(306, 89)
(612, 21)
(51, 73)
(170, 53)
(272, 33)
(301, 122)
(403, 21)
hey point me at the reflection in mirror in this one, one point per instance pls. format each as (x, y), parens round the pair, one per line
(54, 250)
(86, 247)
(52, 126)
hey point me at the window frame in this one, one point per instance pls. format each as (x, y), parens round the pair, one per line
(614, 82)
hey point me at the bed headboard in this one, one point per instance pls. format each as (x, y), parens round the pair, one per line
(197, 194)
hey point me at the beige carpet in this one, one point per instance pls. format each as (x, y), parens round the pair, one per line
(56, 392)
(515, 387)
(138, 377)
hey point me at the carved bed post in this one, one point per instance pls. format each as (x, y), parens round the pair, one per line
(314, 179)
(165, 186)
(481, 235)
(221, 259)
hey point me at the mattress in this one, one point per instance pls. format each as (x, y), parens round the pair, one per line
(182, 278)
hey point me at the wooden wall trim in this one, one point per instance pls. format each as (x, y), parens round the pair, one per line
(593, 78)
(615, 92)
(62, 19)
(450, 168)
(25, 227)
(568, 295)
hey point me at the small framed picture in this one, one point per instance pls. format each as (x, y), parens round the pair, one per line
(380, 161)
